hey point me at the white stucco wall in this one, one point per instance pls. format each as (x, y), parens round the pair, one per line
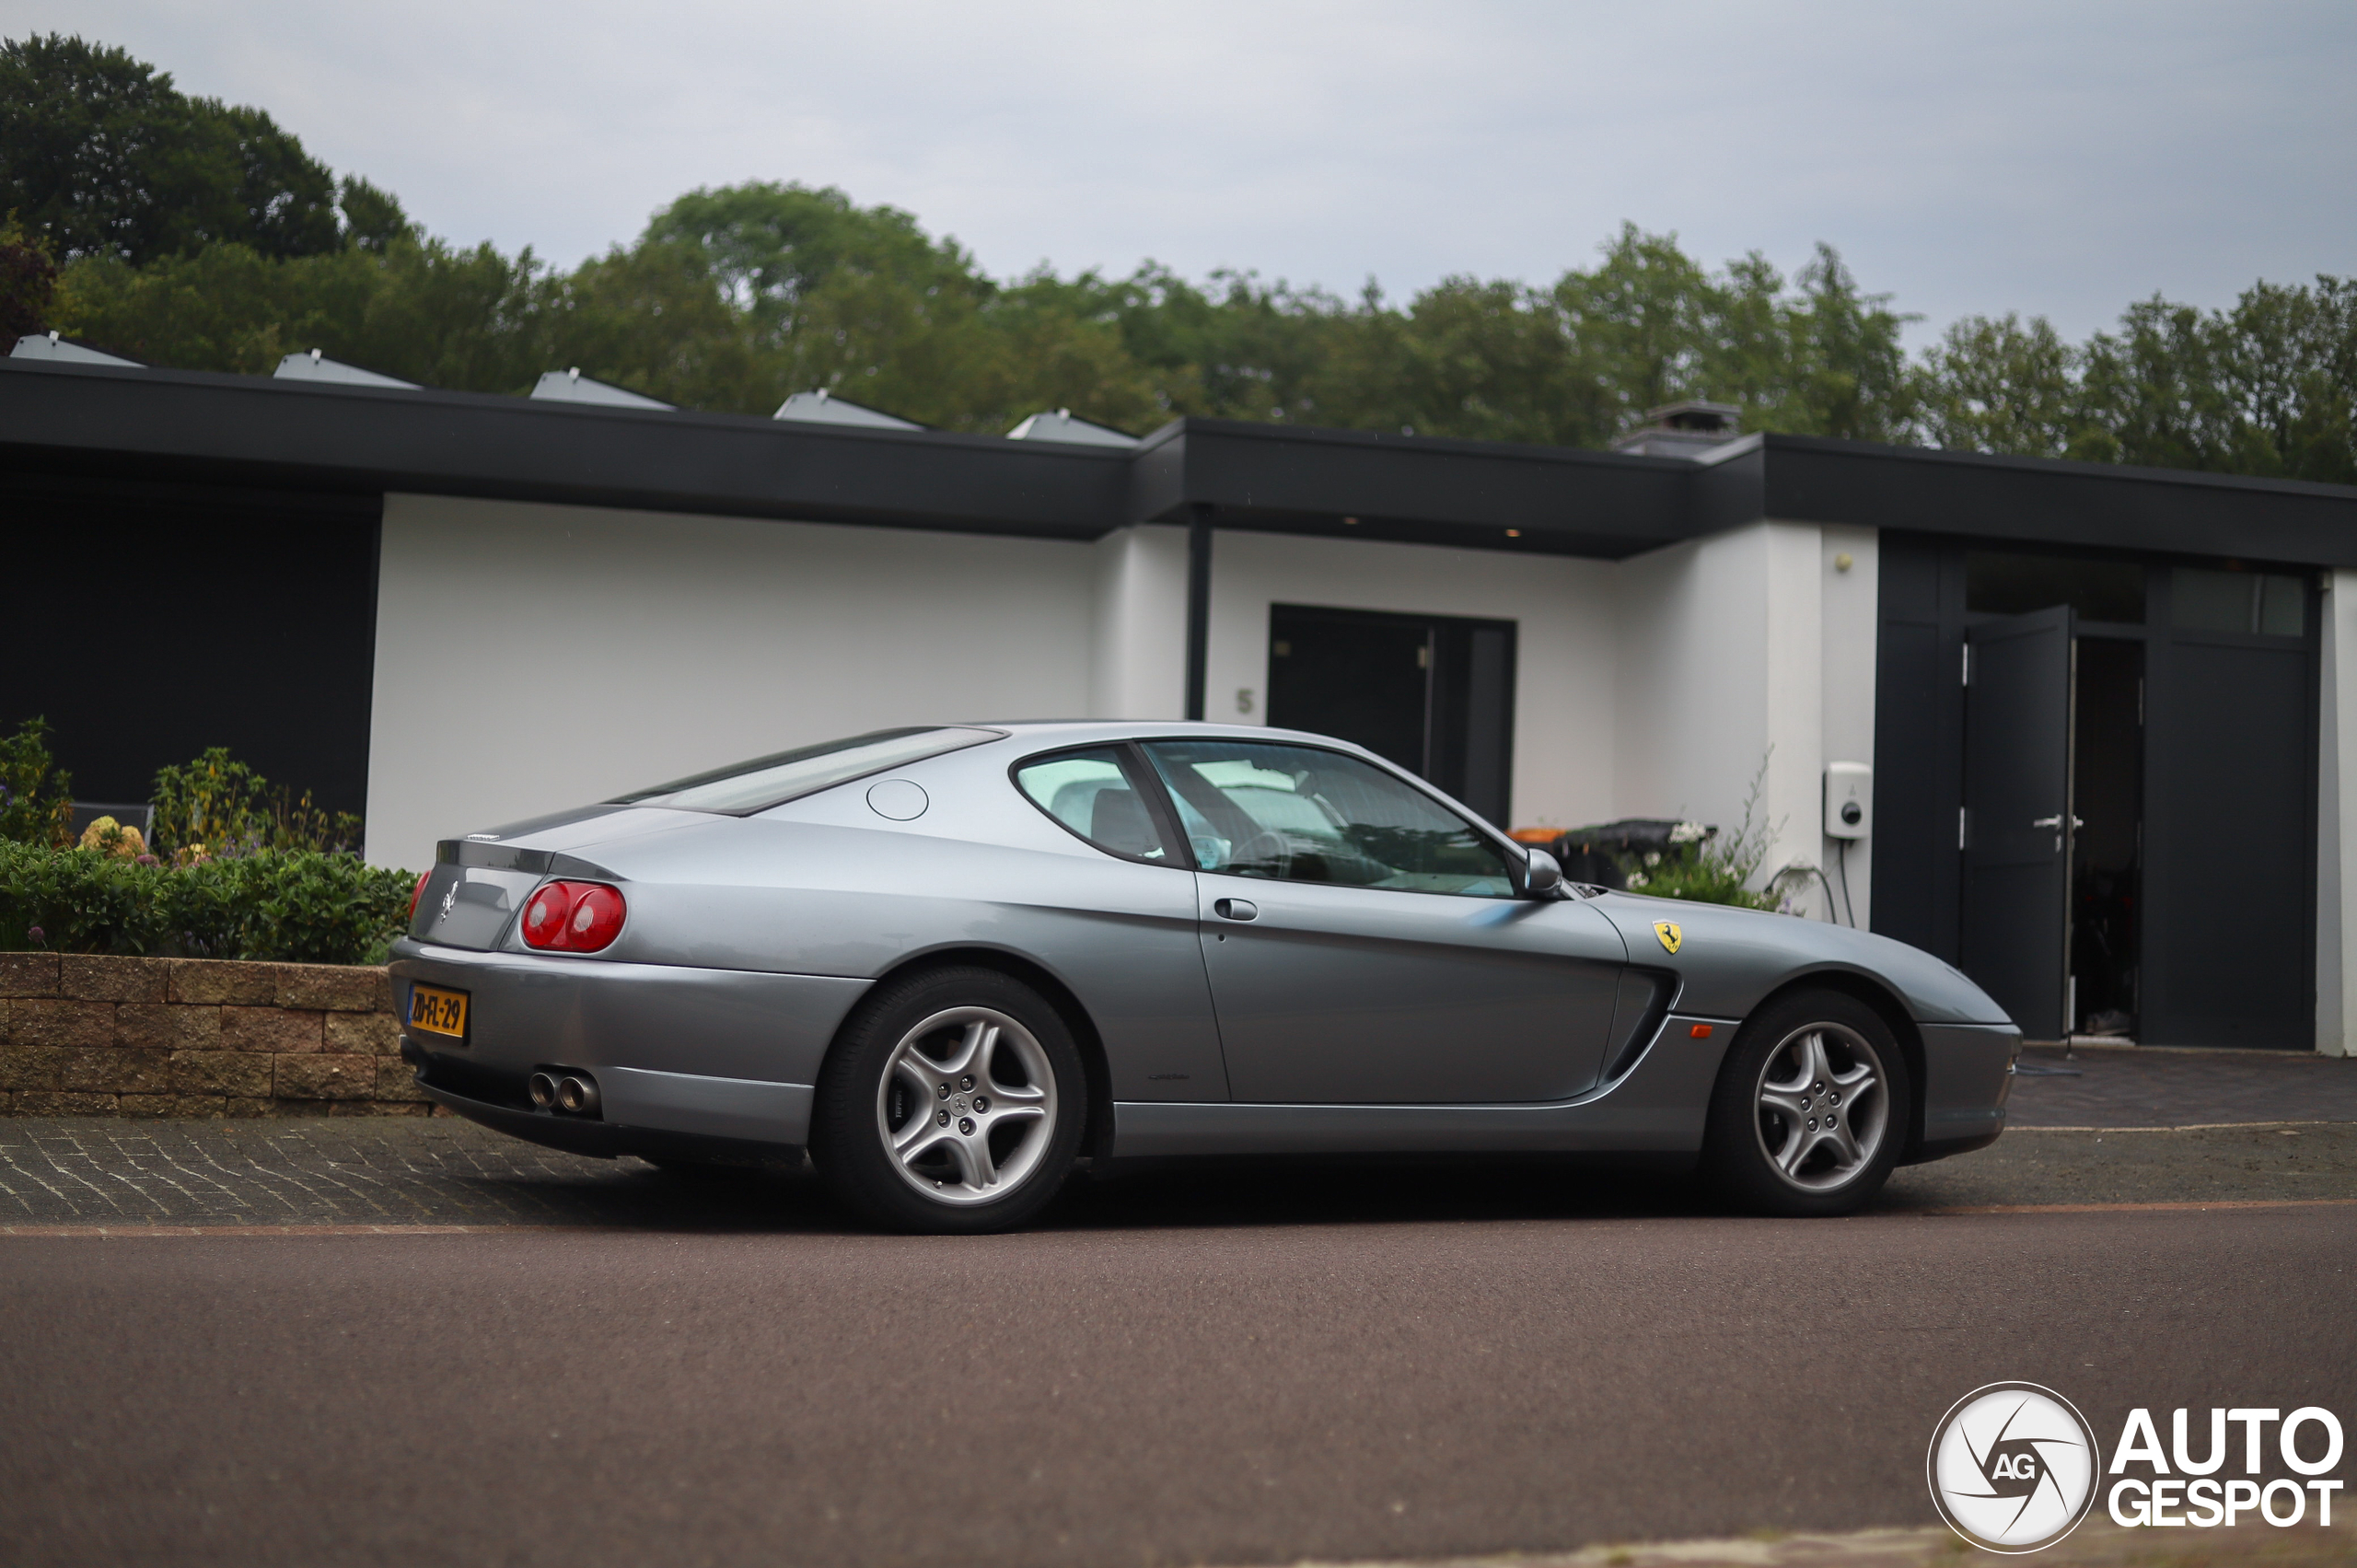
(1850, 605)
(2337, 819)
(1564, 643)
(531, 658)
(1749, 655)
(1140, 626)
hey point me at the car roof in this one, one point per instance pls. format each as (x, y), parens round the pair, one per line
(1152, 729)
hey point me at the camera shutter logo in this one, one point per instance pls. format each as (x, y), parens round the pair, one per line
(2013, 1467)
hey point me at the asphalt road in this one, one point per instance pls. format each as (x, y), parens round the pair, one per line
(1194, 1385)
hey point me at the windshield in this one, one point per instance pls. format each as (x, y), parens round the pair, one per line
(745, 787)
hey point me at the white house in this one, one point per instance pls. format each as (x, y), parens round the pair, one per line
(2103, 709)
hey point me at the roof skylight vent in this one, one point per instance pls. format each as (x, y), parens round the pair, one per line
(822, 407)
(60, 351)
(572, 386)
(316, 367)
(1061, 426)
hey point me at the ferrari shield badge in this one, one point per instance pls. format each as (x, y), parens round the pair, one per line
(1670, 933)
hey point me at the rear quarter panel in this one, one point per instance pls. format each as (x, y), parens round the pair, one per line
(827, 887)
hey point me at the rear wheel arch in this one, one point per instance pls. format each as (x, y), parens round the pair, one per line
(1054, 991)
(1895, 1018)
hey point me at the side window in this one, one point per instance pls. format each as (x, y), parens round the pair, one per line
(1296, 814)
(1090, 793)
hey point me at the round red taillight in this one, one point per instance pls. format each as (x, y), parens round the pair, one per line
(544, 917)
(574, 917)
(418, 892)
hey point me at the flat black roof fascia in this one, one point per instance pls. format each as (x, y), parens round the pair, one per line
(1424, 489)
(151, 423)
(2053, 502)
(187, 426)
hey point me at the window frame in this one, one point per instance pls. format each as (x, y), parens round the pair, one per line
(1135, 766)
(1515, 860)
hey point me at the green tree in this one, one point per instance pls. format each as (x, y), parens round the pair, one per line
(101, 155)
(2004, 385)
(771, 246)
(28, 282)
(373, 219)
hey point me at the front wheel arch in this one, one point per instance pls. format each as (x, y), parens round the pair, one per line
(1895, 1018)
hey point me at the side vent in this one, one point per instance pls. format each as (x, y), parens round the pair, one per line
(1637, 1015)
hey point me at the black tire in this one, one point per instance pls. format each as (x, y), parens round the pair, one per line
(1765, 1148)
(1013, 1114)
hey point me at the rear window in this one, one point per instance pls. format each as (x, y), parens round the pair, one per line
(746, 787)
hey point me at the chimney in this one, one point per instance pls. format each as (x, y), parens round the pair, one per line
(1681, 430)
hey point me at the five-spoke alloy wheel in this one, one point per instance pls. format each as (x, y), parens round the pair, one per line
(966, 1105)
(953, 1102)
(1810, 1107)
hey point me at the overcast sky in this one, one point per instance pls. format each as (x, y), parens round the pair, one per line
(2047, 157)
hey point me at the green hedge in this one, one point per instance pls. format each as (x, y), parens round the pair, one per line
(293, 908)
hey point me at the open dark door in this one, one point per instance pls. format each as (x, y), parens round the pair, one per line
(2016, 827)
(1434, 694)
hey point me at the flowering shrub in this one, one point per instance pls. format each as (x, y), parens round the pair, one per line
(36, 797)
(217, 806)
(299, 907)
(111, 837)
(1713, 868)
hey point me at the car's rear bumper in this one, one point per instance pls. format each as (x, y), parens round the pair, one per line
(725, 1058)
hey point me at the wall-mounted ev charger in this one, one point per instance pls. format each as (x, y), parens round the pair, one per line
(1848, 815)
(1849, 801)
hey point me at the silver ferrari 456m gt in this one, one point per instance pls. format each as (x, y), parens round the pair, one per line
(951, 962)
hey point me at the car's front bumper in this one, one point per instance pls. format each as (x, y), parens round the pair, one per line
(1968, 1074)
(721, 1058)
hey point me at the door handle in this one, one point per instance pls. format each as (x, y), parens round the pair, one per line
(1235, 909)
(2048, 822)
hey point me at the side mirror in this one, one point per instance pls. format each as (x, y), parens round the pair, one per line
(1543, 876)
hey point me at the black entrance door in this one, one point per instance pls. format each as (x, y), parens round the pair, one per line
(1434, 694)
(2017, 824)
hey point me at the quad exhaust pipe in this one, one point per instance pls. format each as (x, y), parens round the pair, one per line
(574, 1093)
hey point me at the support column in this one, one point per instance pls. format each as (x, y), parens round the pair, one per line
(2337, 820)
(1198, 603)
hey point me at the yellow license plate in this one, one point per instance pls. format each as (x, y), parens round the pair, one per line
(439, 1012)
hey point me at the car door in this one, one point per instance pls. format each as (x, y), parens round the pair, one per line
(1123, 924)
(1365, 944)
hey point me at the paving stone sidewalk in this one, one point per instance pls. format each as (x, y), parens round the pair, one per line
(336, 1170)
(2298, 1140)
(2134, 1086)
(344, 1172)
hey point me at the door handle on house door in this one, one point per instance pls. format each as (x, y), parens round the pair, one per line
(2048, 822)
(1235, 909)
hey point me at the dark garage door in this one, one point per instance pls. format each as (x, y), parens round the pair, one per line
(2229, 918)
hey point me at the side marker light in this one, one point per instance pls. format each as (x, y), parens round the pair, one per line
(1699, 1031)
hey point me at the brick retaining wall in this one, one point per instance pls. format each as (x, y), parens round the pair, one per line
(83, 1035)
